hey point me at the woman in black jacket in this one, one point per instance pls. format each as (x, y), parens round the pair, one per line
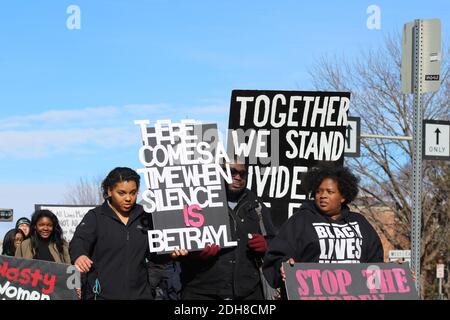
(110, 244)
(324, 231)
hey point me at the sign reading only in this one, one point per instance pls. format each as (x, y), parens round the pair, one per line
(436, 140)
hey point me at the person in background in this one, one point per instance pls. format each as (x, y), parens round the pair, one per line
(24, 225)
(46, 239)
(110, 245)
(324, 230)
(13, 238)
(231, 273)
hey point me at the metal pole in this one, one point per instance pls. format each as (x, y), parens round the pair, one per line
(378, 136)
(417, 156)
(441, 296)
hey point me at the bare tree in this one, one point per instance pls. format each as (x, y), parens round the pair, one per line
(385, 165)
(85, 192)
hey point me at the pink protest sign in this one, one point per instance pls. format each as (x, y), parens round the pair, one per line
(354, 281)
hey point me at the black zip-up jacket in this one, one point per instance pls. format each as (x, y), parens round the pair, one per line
(312, 236)
(234, 272)
(118, 253)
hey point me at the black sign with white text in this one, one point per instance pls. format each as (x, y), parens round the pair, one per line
(185, 185)
(281, 134)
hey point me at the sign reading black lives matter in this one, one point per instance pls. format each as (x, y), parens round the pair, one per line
(23, 279)
(280, 135)
(349, 281)
(185, 180)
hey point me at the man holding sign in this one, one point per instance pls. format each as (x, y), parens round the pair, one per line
(232, 273)
(324, 231)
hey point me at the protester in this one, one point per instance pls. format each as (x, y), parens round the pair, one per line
(24, 225)
(111, 242)
(231, 273)
(13, 238)
(319, 228)
(46, 239)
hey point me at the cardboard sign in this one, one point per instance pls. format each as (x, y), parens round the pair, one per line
(353, 281)
(22, 279)
(281, 134)
(69, 216)
(185, 180)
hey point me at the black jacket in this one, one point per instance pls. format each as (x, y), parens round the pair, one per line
(312, 236)
(233, 272)
(118, 251)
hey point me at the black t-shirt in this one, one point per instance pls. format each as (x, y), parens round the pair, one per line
(43, 252)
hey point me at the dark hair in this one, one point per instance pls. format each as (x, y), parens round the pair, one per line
(347, 182)
(118, 175)
(57, 233)
(8, 242)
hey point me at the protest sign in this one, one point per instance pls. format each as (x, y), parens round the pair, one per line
(23, 279)
(280, 135)
(185, 189)
(69, 216)
(349, 281)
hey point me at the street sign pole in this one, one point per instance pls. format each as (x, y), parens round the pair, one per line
(420, 73)
(416, 222)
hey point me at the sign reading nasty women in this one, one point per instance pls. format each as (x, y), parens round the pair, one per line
(280, 135)
(23, 279)
(185, 166)
(349, 281)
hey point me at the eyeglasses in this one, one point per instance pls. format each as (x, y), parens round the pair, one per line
(242, 174)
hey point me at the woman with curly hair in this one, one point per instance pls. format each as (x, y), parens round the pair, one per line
(324, 230)
(46, 239)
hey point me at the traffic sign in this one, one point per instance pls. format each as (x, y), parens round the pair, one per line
(429, 53)
(6, 215)
(437, 140)
(440, 271)
(352, 137)
(399, 254)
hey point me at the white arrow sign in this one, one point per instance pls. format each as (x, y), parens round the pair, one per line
(437, 140)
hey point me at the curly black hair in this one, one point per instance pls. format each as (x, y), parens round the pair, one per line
(346, 181)
(57, 233)
(117, 175)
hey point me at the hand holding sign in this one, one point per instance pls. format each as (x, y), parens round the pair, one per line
(179, 253)
(291, 261)
(207, 253)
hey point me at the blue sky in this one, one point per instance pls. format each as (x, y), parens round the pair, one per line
(68, 98)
